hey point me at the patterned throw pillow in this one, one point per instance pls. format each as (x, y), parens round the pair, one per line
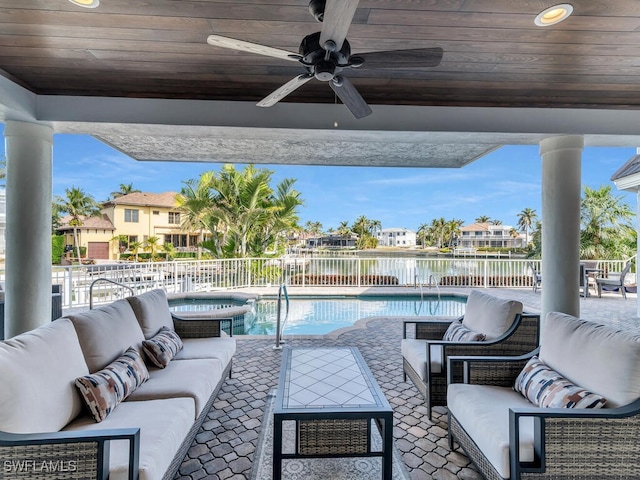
(161, 348)
(457, 332)
(104, 390)
(545, 387)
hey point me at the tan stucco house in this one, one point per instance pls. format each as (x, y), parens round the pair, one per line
(137, 216)
(488, 235)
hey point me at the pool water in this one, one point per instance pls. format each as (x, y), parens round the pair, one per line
(318, 316)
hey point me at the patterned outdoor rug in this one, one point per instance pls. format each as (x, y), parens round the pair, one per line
(356, 468)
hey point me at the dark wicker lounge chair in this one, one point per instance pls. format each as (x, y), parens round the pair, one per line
(508, 437)
(425, 356)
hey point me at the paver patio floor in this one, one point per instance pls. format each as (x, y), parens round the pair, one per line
(225, 446)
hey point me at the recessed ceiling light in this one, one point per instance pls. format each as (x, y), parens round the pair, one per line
(553, 15)
(86, 3)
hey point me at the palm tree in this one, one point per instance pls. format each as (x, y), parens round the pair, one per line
(195, 202)
(526, 219)
(423, 232)
(240, 209)
(452, 230)
(361, 225)
(135, 247)
(282, 218)
(313, 228)
(483, 219)
(151, 244)
(168, 250)
(125, 189)
(606, 224)
(376, 225)
(78, 205)
(344, 230)
(495, 222)
(438, 230)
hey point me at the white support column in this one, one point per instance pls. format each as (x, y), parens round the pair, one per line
(561, 189)
(638, 248)
(28, 257)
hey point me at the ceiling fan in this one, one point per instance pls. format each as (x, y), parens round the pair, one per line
(325, 55)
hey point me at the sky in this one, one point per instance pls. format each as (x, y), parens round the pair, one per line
(499, 185)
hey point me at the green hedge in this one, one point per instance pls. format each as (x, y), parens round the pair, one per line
(57, 248)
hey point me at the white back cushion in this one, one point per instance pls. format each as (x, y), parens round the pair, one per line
(105, 333)
(37, 374)
(490, 315)
(152, 310)
(593, 356)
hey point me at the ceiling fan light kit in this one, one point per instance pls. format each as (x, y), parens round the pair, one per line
(326, 54)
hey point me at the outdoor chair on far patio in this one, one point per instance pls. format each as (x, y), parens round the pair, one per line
(490, 326)
(614, 282)
(536, 276)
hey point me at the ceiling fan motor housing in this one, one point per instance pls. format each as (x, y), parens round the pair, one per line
(323, 64)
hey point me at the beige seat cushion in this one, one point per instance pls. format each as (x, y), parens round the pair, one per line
(194, 379)
(152, 311)
(37, 374)
(490, 315)
(598, 358)
(483, 411)
(222, 348)
(415, 353)
(163, 426)
(105, 333)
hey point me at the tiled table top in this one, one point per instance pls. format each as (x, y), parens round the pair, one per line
(329, 378)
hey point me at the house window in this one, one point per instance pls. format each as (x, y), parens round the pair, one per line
(174, 217)
(131, 215)
(156, 212)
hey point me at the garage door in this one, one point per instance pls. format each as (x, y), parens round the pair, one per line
(98, 250)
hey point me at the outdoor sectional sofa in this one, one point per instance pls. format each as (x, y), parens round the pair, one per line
(534, 433)
(46, 430)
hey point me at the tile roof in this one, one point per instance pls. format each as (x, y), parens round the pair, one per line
(98, 222)
(474, 227)
(146, 199)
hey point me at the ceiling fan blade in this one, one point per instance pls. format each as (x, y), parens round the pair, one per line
(234, 44)
(337, 20)
(350, 97)
(412, 58)
(277, 95)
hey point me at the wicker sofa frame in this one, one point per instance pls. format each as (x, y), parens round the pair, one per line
(569, 443)
(81, 455)
(522, 337)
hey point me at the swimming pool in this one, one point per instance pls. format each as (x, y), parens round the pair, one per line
(321, 315)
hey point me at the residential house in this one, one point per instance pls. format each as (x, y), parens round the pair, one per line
(396, 237)
(488, 235)
(136, 216)
(332, 240)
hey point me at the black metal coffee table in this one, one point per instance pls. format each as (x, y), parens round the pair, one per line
(333, 397)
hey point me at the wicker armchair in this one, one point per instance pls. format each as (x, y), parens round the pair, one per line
(425, 356)
(507, 437)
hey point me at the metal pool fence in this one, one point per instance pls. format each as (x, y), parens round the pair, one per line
(210, 275)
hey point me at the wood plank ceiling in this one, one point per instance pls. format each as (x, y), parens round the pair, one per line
(494, 55)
